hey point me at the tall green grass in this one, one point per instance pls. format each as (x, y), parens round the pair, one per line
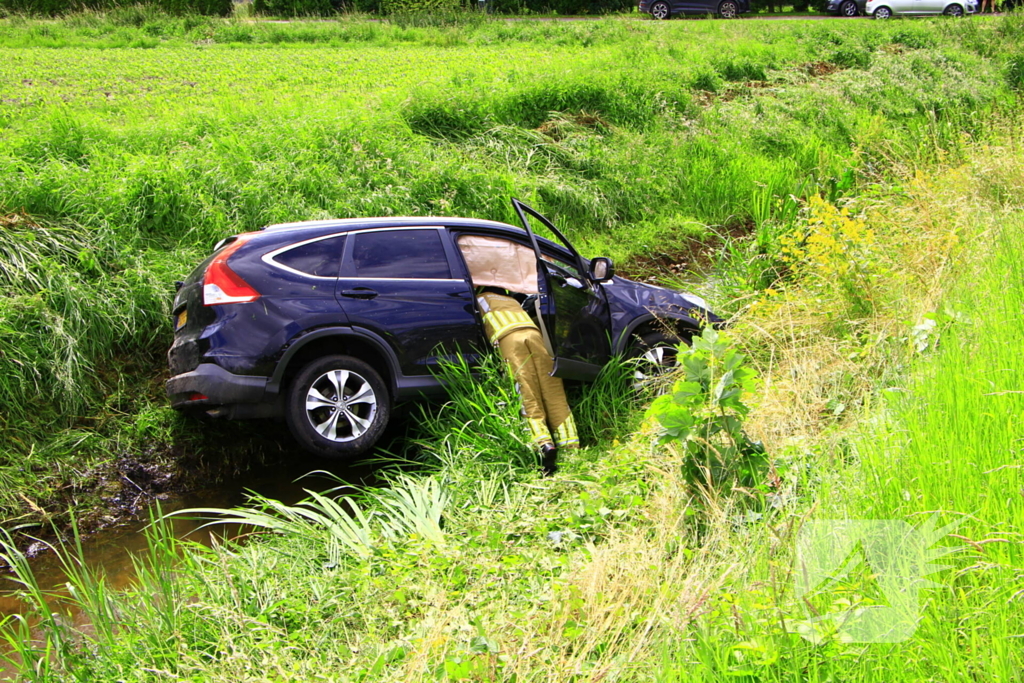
(942, 441)
(126, 165)
(473, 567)
(343, 571)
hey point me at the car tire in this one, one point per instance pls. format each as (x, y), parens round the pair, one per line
(337, 407)
(661, 10)
(882, 13)
(954, 10)
(655, 354)
(728, 9)
(848, 9)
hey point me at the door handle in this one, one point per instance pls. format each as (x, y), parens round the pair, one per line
(359, 293)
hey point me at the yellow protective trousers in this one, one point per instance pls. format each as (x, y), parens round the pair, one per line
(521, 345)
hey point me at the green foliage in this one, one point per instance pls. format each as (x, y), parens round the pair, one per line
(441, 17)
(128, 164)
(73, 304)
(414, 7)
(133, 162)
(409, 508)
(480, 425)
(296, 8)
(563, 7)
(851, 56)
(703, 414)
(834, 249)
(1014, 71)
(221, 8)
(605, 409)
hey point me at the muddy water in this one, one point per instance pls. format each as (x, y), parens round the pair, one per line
(111, 550)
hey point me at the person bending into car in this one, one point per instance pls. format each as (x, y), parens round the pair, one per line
(519, 340)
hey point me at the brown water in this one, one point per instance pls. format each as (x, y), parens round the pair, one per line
(111, 550)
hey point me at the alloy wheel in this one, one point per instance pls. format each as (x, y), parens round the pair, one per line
(652, 363)
(728, 9)
(660, 10)
(341, 405)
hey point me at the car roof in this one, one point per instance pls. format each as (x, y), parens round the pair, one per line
(391, 222)
(321, 227)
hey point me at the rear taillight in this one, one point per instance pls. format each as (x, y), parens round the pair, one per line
(221, 285)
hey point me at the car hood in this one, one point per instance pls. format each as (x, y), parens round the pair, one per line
(626, 300)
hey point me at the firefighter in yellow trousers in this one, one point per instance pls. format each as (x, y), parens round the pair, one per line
(546, 409)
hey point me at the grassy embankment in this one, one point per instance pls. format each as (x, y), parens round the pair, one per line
(618, 567)
(125, 165)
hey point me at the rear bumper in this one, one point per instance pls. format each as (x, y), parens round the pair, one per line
(217, 385)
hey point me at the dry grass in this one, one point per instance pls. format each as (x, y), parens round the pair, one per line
(811, 356)
(651, 583)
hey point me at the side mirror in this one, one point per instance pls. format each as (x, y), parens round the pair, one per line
(601, 269)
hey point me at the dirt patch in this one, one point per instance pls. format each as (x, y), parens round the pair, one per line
(17, 220)
(140, 484)
(559, 128)
(123, 489)
(819, 69)
(651, 268)
(695, 256)
(706, 98)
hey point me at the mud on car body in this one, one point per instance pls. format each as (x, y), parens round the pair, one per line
(329, 323)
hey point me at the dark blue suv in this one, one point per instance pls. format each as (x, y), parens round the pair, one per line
(329, 323)
(666, 9)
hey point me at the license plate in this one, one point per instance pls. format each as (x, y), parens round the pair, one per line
(180, 320)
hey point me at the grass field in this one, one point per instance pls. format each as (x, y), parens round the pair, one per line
(849, 181)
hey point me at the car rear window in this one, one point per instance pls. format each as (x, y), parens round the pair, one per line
(321, 258)
(400, 254)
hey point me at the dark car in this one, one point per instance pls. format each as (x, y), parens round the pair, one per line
(666, 9)
(846, 8)
(330, 323)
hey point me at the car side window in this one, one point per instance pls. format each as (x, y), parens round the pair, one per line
(321, 258)
(561, 267)
(399, 254)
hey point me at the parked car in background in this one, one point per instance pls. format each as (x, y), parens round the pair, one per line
(883, 9)
(666, 9)
(329, 323)
(846, 8)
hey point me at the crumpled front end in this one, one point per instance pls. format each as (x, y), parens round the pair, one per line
(633, 303)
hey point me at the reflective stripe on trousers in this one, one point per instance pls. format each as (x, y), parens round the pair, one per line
(544, 403)
(499, 323)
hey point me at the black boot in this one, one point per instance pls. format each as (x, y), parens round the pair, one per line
(549, 459)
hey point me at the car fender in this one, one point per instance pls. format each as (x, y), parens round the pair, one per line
(622, 343)
(364, 335)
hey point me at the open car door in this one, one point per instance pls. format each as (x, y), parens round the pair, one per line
(572, 310)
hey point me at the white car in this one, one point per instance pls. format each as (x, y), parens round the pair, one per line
(883, 9)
